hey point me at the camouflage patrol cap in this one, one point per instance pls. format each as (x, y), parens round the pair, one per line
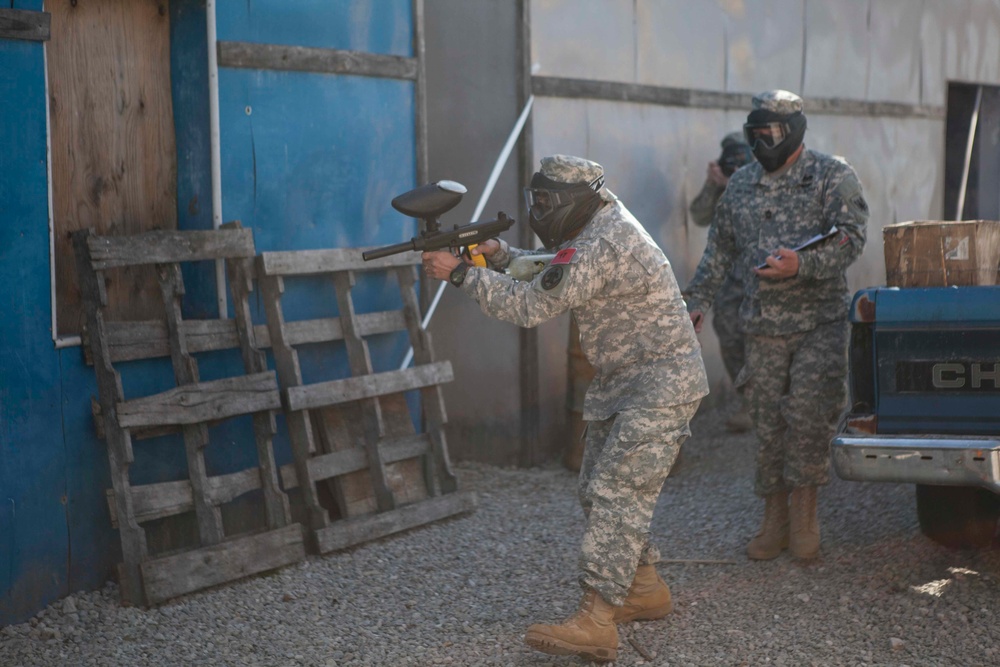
(570, 169)
(777, 101)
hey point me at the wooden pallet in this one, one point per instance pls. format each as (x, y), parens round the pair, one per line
(352, 436)
(189, 409)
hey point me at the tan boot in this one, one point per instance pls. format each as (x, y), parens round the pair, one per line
(773, 535)
(804, 542)
(648, 597)
(590, 633)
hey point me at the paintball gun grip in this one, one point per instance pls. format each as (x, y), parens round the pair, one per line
(477, 260)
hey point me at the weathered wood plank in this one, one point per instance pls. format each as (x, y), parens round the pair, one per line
(175, 575)
(195, 435)
(367, 386)
(615, 91)
(286, 361)
(128, 341)
(25, 25)
(162, 247)
(440, 476)
(343, 534)
(359, 360)
(325, 466)
(114, 165)
(249, 55)
(155, 501)
(203, 401)
(311, 262)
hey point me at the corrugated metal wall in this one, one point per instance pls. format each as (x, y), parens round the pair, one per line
(873, 51)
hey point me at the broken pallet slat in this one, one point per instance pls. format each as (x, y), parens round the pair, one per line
(314, 262)
(203, 402)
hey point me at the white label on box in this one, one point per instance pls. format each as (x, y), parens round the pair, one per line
(956, 248)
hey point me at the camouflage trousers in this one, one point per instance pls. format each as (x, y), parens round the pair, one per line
(726, 324)
(796, 390)
(625, 462)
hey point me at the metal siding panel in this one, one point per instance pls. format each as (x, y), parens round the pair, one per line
(313, 160)
(669, 32)
(837, 49)
(894, 72)
(585, 39)
(372, 26)
(33, 542)
(765, 45)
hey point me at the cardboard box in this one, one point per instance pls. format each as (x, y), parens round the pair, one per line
(933, 253)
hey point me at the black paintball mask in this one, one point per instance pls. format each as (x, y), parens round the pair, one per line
(734, 155)
(773, 137)
(559, 210)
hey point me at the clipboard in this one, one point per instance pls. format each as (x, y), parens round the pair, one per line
(814, 241)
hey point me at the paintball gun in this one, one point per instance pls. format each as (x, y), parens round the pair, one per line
(427, 203)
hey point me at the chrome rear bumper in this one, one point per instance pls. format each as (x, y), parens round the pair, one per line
(931, 459)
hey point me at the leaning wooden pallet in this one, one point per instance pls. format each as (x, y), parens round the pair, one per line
(189, 409)
(353, 435)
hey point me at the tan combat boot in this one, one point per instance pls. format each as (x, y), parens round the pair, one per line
(773, 535)
(648, 597)
(804, 542)
(590, 633)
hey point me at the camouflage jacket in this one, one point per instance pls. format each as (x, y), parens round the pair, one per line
(621, 290)
(759, 213)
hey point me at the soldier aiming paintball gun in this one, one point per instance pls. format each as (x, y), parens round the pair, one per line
(427, 203)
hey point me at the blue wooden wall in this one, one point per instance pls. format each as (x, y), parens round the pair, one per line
(308, 161)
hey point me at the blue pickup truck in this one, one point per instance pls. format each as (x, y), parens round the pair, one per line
(925, 405)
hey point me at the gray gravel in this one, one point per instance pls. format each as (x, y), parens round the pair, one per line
(462, 591)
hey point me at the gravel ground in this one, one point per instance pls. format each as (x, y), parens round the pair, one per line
(461, 592)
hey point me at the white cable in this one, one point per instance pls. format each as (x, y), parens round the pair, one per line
(487, 191)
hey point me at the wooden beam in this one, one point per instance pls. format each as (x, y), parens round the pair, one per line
(249, 55)
(322, 394)
(346, 461)
(171, 576)
(26, 25)
(614, 91)
(202, 402)
(108, 252)
(347, 533)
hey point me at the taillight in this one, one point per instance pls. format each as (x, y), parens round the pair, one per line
(867, 424)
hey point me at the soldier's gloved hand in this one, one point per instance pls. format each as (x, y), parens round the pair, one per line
(784, 263)
(697, 319)
(439, 264)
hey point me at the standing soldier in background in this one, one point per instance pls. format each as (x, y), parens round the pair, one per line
(726, 308)
(620, 289)
(794, 309)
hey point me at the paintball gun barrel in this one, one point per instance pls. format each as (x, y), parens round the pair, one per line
(430, 201)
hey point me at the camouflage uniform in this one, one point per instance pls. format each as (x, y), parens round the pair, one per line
(649, 379)
(795, 375)
(726, 307)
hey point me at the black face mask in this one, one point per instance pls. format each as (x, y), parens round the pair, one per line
(773, 137)
(733, 157)
(558, 210)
